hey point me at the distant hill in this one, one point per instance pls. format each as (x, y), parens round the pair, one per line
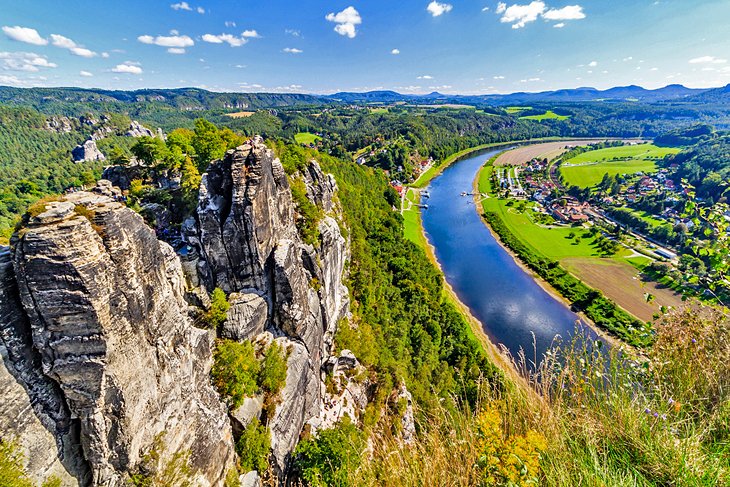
(621, 93)
(74, 101)
(715, 95)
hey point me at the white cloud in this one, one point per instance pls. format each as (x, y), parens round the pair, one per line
(232, 40)
(346, 21)
(571, 12)
(251, 33)
(61, 41)
(24, 61)
(292, 50)
(395, 52)
(128, 67)
(105, 55)
(498, 77)
(176, 50)
(520, 15)
(200, 10)
(24, 34)
(593, 64)
(85, 74)
(229, 23)
(485, 9)
(66, 43)
(425, 76)
(11, 80)
(707, 60)
(167, 41)
(180, 6)
(293, 32)
(437, 8)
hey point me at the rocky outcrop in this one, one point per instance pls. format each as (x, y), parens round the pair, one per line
(246, 242)
(346, 393)
(88, 151)
(34, 413)
(103, 310)
(247, 315)
(136, 129)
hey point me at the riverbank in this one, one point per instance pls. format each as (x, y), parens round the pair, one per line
(602, 314)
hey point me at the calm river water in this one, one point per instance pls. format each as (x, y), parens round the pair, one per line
(507, 300)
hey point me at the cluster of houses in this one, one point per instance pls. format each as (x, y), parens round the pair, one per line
(569, 210)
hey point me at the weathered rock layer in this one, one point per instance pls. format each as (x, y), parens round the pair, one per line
(103, 306)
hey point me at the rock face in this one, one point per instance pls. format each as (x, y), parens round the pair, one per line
(247, 243)
(88, 151)
(104, 348)
(136, 129)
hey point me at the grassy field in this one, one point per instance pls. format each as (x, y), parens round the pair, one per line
(379, 110)
(412, 220)
(513, 110)
(306, 138)
(618, 276)
(548, 115)
(587, 169)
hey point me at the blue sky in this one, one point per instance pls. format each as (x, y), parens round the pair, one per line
(412, 46)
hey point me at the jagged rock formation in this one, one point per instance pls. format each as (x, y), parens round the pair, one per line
(246, 242)
(114, 358)
(136, 129)
(88, 151)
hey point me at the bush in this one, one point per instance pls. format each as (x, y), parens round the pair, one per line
(331, 457)
(253, 447)
(309, 214)
(273, 370)
(235, 370)
(219, 306)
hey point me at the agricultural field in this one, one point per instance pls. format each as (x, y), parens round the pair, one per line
(587, 169)
(622, 283)
(240, 114)
(306, 138)
(550, 150)
(548, 115)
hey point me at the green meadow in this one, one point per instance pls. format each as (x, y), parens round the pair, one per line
(306, 138)
(548, 115)
(587, 169)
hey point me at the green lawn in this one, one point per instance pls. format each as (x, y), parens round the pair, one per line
(379, 110)
(587, 169)
(306, 138)
(548, 115)
(412, 221)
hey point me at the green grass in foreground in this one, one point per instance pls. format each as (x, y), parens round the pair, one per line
(412, 221)
(306, 138)
(587, 169)
(548, 115)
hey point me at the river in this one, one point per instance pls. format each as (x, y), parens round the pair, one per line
(508, 301)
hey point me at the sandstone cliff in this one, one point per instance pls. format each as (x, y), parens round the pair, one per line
(118, 363)
(103, 373)
(246, 242)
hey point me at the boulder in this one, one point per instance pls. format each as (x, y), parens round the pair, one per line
(247, 315)
(88, 151)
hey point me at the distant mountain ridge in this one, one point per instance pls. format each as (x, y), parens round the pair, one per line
(619, 93)
(74, 101)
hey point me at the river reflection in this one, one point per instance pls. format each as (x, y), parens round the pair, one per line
(506, 299)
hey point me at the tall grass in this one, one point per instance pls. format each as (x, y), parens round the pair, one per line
(595, 417)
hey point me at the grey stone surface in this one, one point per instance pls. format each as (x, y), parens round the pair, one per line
(247, 315)
(88, 151)
(107, 316)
